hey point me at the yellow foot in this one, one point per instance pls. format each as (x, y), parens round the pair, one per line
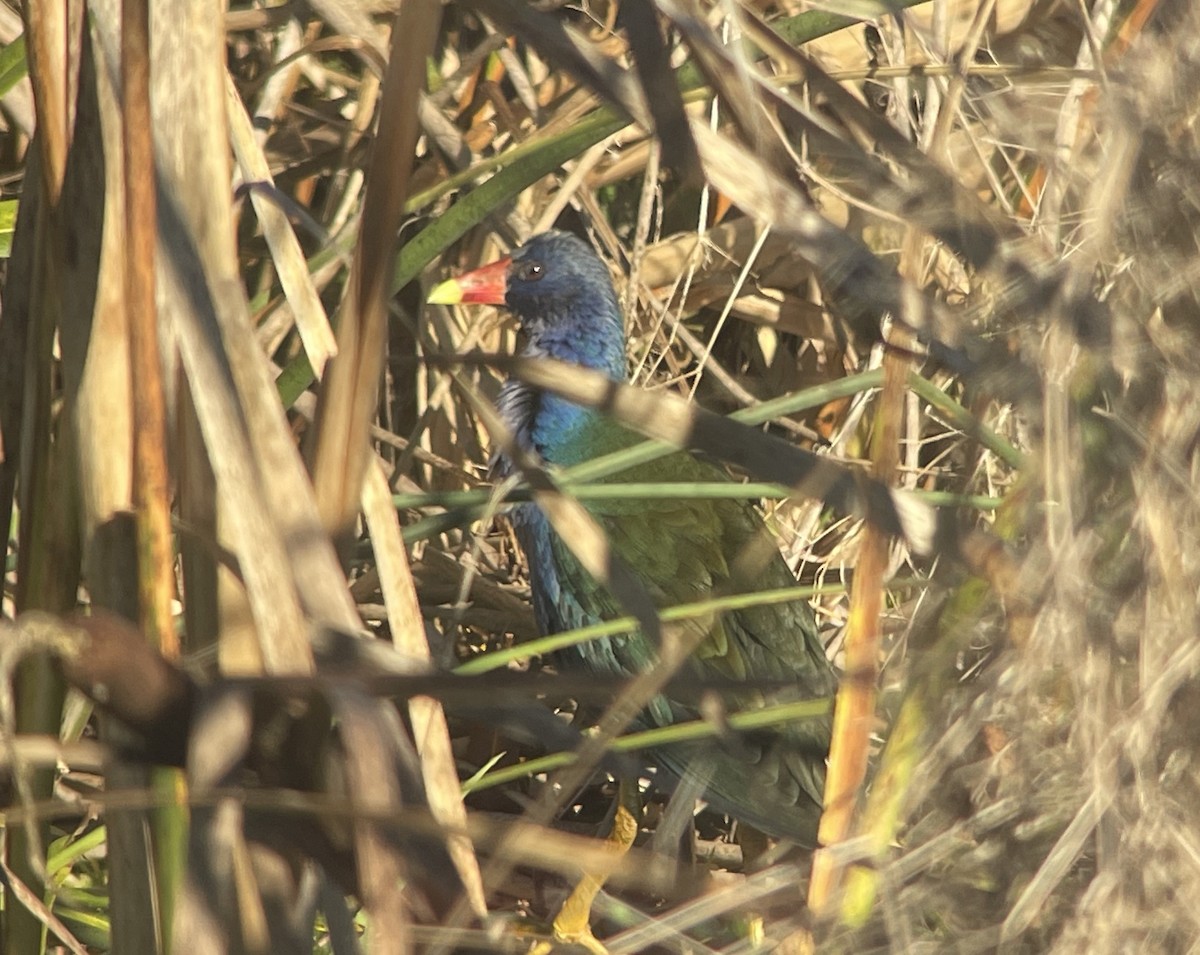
(756, 932)
(584, 939)
(572, 925)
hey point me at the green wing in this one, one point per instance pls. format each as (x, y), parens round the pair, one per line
(686, 550)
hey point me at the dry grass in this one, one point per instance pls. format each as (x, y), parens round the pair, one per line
(995, 215)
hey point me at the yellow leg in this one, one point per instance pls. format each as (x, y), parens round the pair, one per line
(755, 844)
(572, 924)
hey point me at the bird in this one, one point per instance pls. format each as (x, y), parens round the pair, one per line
(680, 549)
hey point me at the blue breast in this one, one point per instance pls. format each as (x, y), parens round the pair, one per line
(556, 604)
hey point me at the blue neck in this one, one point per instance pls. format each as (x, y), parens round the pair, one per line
(544, 421)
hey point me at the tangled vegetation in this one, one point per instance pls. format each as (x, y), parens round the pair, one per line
(922, 277)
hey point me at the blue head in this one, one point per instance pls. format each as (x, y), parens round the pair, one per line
(564, 297)
(562, 294)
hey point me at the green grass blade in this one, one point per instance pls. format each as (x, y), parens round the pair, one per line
(8, 225)
(499, 658)
(14, 67)
(761, 718)
(647, 451)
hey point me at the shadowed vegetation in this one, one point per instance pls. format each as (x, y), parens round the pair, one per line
(922, 286)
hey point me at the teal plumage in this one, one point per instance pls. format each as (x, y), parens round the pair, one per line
(682, 550)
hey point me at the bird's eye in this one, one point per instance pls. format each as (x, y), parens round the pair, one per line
(529, 271)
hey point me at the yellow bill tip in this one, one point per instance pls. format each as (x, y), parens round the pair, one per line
(449, 292)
